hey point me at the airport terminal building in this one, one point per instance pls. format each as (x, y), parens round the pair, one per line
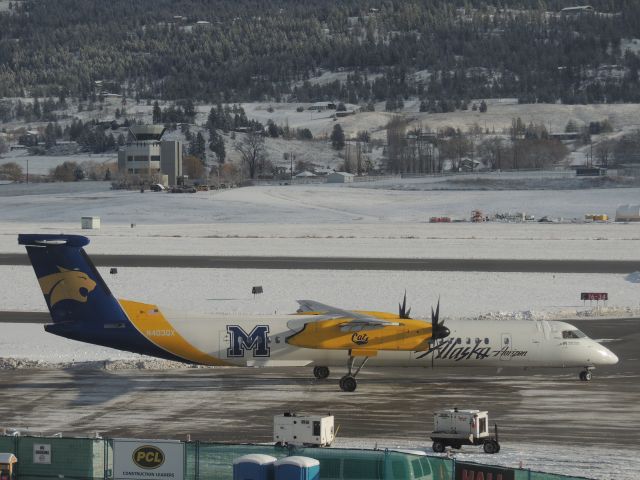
(149, 155)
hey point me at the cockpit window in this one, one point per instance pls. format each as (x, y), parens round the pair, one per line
(572, 334)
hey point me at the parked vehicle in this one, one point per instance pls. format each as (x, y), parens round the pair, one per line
(454, 428)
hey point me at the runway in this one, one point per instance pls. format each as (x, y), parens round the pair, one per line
(237, 404)
(353, 263)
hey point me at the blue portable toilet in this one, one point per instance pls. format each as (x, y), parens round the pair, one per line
(254, 466)
(297, 468)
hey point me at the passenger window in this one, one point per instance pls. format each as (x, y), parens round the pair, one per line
(468, 340)
(426, 466)
(506, 340)
(399, 469)
(486, 341)
(417, 468)
(459, 341)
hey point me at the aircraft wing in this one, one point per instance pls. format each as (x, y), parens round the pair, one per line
(353, 320)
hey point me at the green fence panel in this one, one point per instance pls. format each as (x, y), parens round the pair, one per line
(75, 458)
(216, 460)
(8, 444)
(92, 459)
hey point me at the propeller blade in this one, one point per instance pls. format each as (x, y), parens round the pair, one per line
(402, 307)
(437, 328)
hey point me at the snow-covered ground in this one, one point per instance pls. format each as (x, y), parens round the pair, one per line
(325, 220)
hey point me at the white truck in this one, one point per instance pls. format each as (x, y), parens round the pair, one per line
(454, 428)
(305, 430)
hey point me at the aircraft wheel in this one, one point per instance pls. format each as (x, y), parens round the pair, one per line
(491, 447)
(586, 376)
(438, 446)
(321, 372)
(348, 383)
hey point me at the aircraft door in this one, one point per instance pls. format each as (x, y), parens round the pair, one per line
(223, 344)
(506, 346)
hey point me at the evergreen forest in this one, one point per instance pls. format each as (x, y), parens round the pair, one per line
(444, 52)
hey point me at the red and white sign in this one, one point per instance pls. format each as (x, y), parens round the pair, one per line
(594, 296)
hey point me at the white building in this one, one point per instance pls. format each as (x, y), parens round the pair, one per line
(149, 155)
(628, 213)
(340, 177)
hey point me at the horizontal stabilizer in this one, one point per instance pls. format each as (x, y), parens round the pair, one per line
(43, 240)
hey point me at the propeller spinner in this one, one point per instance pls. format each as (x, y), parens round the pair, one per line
(438, 330)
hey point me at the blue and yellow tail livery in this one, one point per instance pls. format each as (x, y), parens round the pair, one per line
(81, 305)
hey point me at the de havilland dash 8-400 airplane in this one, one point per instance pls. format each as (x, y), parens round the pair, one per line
(320, 336)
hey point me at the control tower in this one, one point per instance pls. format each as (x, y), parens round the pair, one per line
(148, 155)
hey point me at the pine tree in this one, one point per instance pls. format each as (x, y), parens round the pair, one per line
(216, 144)
(337, 137)
(156, 113)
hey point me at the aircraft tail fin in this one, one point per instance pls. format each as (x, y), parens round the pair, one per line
(71, 285)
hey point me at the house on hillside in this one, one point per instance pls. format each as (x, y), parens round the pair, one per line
(305, 174)
(340, 177)
(322, 106)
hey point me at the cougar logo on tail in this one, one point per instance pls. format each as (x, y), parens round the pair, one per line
(66, 285)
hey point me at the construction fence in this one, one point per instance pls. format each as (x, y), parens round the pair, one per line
(41, 458)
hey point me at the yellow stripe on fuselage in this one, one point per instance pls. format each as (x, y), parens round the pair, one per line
(151, 323)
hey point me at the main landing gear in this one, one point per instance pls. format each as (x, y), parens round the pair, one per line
(586, 375)
(321, 372)
(348, 383)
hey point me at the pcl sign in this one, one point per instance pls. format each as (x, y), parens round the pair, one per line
(140, 459)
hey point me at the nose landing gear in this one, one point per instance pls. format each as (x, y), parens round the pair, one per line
(586, 375)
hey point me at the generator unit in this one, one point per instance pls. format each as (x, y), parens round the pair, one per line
(454, 428)
(306, 430)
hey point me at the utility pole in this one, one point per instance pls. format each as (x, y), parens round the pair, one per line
(27, 171)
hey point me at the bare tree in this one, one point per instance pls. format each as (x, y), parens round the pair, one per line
(251, 149)
(396, 144)
(493, 152)
(193, 167)
(456, 149)
(604, 152)
(11, 171)
(540, 153)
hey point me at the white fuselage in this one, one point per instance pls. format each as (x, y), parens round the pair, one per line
(261, 341)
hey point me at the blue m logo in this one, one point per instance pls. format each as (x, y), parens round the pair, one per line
(257, 340)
